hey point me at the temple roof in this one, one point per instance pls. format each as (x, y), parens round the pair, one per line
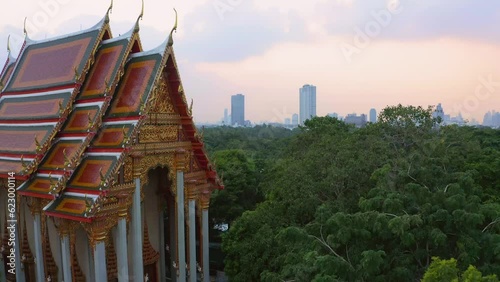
(71, 109)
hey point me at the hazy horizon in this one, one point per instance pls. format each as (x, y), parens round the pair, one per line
(358, 55)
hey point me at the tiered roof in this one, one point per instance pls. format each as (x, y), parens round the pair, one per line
(71, 109)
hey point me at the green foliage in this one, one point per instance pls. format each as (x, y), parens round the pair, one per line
(370, 204)
(447, 270)
(241, 192)
(243, 156)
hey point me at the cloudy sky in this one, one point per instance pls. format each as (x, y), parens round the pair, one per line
(359, 53)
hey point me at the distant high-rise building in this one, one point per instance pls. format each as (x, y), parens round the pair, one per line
(373, 115)
(358, 121)
(238, 110)
(307, 102)
(492, 119)
(287, 121)
(295, 119)
(438, 112)
(334, 115)
(227, 120)
(488, 119)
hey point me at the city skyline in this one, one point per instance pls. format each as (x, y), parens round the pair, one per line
(490, 118)
(412, 56)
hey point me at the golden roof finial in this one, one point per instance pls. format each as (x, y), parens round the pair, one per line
(24, 30)
(37, 144)
(90, 122)
(190, 110)
(170, 38)
(88, 205)
(103, 178)
(107, 87)
(23, 164)
(110, 7)
(8, 43)
(61, 109)
(109, 11)
(51, 182)
(77, 75)
(66, 158)
(126, 138)
(136, 28)
(142, 10)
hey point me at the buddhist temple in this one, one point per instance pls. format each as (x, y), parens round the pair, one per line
(103, 174)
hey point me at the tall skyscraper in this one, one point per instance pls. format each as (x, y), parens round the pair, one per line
(373, 116)
(295, 119)
(238, 109)
(226, 117)
(307, 102)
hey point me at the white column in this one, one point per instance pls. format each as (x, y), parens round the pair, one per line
(192, 241)
(136, 226)
(100, 268)
(206, 257)
(180, 226)
(66, 258)
(121, 250)
(91, 262)
(40, 273)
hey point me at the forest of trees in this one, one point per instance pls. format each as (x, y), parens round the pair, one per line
(404, 199)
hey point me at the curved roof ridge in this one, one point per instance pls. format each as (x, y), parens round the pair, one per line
(127, 35)
(6, 65)
(10, 58)
(8, 62)
(161, 49)
(98, 26)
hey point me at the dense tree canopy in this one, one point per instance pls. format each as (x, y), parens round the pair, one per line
(372, 204)
(242, 157)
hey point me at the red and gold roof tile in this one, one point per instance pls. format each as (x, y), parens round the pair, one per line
(52, 63)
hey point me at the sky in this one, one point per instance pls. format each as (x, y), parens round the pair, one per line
(360, 54)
